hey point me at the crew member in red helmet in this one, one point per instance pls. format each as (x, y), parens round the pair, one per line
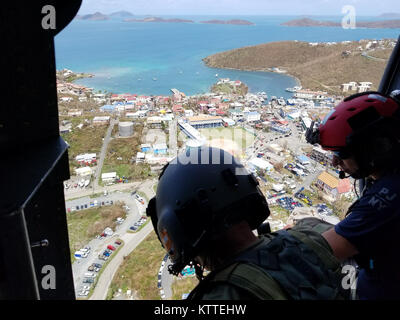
(363, 132)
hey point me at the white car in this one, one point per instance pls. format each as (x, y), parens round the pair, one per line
(83, 293)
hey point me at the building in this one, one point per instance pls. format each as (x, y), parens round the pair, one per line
(108, 108)
(280, 129)
(140, 157)
(74, 113)
(305, 122)
(83, 172)
(109, 177)
(160, 148)
(260, 164)
(101, 120)
(320, 155)
(251, 116)
(154, 122)
(333, 186)
(86, 158)
(203, 121)
(228, 122)
(308, 94)
(189, 113)
(275, 148)
(145, 147)
(303, 159)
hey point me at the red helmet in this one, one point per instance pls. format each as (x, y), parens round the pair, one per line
(348, 117)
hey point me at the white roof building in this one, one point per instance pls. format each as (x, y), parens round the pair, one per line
(85, 171)
(109, 176)
(261, 164)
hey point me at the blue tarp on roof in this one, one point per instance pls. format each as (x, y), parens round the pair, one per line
(108, 107)
(302, 158)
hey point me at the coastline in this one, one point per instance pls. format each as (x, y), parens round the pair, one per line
(298, 82)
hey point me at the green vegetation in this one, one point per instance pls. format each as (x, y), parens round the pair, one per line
(241, 137)
(84, 225)
(279, 213)
(121, 156)
(139, 270)
(89, 139)
(321, 67)
(226, 88)
(183, 285)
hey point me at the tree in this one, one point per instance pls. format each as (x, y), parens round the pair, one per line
(278, 166)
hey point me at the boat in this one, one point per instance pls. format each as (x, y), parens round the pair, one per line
(294, 89)
(216, 74)
(154, 79)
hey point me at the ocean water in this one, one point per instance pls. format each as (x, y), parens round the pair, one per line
(152, 58)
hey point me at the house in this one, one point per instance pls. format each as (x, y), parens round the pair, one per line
(74, 113)
(177, 108)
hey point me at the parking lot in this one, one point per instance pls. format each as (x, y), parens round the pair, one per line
(99, 250)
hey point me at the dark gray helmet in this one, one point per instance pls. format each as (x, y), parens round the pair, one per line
(200, 194)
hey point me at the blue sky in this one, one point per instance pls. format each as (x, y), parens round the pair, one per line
(241, 7)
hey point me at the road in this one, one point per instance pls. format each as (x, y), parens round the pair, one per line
(131, 240)
(103, 153)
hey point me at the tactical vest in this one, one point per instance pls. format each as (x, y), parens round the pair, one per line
(291, 264)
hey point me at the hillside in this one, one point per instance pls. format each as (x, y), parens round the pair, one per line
(98, 16)
(323, 66)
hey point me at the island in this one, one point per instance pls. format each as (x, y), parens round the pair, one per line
(317, 66)
(158, 19)
(307, 22)
(98, 16)
(121, 14)
(234, 22)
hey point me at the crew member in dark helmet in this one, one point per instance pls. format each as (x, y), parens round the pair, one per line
(363, 132)
(204, 213)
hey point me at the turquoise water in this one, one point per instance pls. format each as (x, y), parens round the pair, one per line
(152, 58)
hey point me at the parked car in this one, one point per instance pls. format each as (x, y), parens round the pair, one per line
(111, 247)
(90, 275)
(88, 280)
(118, 242)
